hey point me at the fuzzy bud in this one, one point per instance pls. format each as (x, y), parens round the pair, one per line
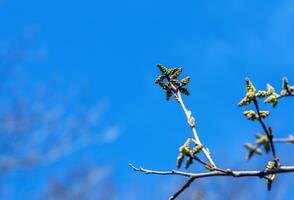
(251, 115)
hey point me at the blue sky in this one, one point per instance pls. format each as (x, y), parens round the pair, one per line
(111, 48)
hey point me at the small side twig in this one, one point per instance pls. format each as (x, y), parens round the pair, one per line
(288, 95)
(289, 140)
(182, 189)
(268, 132)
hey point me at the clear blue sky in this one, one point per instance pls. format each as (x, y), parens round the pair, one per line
(113, 47)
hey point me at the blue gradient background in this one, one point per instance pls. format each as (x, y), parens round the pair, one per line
(112, 47)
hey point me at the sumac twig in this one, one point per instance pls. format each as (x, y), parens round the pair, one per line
(168, 81)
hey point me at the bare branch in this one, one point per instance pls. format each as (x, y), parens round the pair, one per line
(147, 171)
(216, 172)
(231, 173)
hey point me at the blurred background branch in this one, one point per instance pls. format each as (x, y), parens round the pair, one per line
(43, 123)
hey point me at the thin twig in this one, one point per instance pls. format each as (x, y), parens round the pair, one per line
(201, 161)
(214, 172)
(205, 151)
(267, 131)
(288, 95)
(188, 114)
(182, 189)
(209, 166)
(197, 139)
(147, 171)
(289, 140)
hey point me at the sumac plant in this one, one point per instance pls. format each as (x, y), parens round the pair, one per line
(189, 152)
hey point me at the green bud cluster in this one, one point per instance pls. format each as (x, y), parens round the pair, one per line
(271, 96)
(186, 151)
(261, 94)
(168, 81)
(250, 95)
(273, 99)
(251, 115)
(264, 113)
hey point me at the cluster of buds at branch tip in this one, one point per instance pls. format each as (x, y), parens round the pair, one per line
(250, 95)
(270, 93)
(168, 81)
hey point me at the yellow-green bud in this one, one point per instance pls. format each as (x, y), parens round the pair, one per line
(191, 121)
(270, 89)
(261, 94)
(250, 86)
(285, 83)
(264, 114)
(163, 69)
(284, 92)
(250, 95)
(273, 99)
(185, 81)
(271, 177)
(245, 101)
(251, 115)
(180, 160)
